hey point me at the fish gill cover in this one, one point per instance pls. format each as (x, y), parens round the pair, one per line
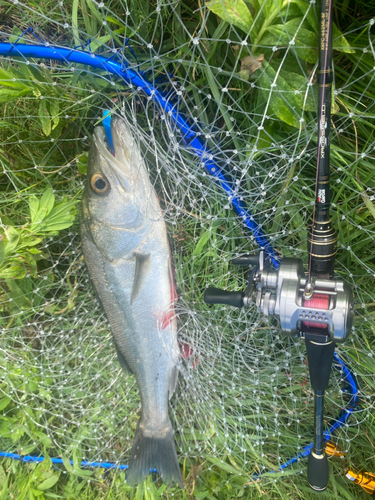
(242, 75)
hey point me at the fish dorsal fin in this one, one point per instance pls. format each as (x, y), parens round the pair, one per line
(142, 269)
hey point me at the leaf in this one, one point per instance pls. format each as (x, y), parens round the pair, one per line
(3, 476)
(234, 12)
(26, 285)
(75, 6)
(2, 249)
(272, 8)
(44, 117)
(12, 240)
(33, 206)
(4, 402)
(339, 42)
(35, 250)
(47, 202)
(87, 20)
(17, 295)
(95, 11)
(16, 33)
(7, 95)
(223, 465)
(282, 101)
(5, 489)
(100, 41)
(61, 217)
(299, 84)
(48, 483)
(67, 464)
(37, 493)
(28, 241)
(201, 243)
(370, 206)
(82, 162)
(55, 110)
(113, 20)
(305, 41)
(5, 428)
(15, 271)
(62, 208)
(9, 79)
(309, 12)
(9, 125)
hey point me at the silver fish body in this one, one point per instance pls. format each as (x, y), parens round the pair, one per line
(127, 254)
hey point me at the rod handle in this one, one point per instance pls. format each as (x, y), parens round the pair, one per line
(317, 471)
(218, 296)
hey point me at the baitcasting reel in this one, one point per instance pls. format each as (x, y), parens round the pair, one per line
(324, 306)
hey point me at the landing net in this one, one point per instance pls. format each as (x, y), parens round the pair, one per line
(242, 75)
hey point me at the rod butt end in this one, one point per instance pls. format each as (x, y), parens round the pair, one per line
(317, 471)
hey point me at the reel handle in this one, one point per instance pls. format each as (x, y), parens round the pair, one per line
(217, 296)
(246, 260)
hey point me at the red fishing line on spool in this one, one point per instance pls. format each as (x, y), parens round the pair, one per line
(320, 301)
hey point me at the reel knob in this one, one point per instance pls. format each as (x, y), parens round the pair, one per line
(217, 296)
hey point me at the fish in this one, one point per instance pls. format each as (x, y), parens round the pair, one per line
(128, 257)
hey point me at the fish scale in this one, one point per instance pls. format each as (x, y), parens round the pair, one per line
(130, 268)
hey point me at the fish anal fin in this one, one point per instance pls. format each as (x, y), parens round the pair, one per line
(142, 269)
(124, 365)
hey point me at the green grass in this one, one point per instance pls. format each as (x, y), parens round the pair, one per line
(62, 392)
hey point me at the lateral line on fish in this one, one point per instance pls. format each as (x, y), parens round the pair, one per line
(119, 228)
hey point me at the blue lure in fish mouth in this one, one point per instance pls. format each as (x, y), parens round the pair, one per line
(107, 128)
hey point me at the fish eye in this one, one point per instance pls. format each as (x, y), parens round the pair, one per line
(99, 184)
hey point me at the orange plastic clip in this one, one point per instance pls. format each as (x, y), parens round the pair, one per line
(332, 450)
(366, 480)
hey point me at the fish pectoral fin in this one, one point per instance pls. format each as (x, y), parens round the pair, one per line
(142, 269)
(172, 383)
(124, 365)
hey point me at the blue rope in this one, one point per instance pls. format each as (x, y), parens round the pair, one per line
(59, 461)
(133, 79)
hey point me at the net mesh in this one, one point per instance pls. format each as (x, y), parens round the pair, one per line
(245, 81)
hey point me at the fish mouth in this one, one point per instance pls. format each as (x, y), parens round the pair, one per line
(120, 169)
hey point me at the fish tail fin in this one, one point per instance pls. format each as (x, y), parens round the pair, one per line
(154, 450)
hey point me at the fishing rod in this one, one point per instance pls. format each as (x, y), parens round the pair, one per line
(316, 306)
(285, 291)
